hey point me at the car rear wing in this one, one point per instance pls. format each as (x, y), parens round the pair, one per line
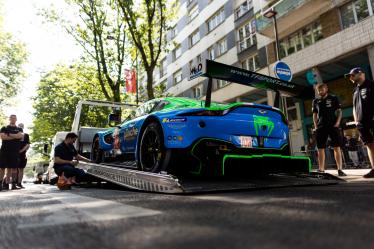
(216, 70)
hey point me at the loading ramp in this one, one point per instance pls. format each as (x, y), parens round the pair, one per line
(166, 183)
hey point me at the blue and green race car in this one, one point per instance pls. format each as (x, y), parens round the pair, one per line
(177, 135)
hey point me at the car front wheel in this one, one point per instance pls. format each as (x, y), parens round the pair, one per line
(153, 156)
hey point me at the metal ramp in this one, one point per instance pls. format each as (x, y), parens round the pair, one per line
(165, 183)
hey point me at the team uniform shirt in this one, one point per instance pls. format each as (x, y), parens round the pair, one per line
(326, 108)
(9, 152)
(65, 152)
(363, 102)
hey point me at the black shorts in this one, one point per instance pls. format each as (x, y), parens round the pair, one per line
(323, 133)
(9, 159)
(366, 132)
(22, 162)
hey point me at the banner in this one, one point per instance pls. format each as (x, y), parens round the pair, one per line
(130, 77)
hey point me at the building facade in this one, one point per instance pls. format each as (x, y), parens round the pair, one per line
(319, 39)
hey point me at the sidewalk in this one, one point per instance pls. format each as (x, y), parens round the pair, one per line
(353, 175)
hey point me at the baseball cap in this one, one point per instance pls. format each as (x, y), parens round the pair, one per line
(353, 71)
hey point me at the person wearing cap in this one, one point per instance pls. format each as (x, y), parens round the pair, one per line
(363, 111)
(327, 115)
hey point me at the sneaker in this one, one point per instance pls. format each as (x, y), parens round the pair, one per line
(370, 174)
(341, 173)
(14, 186)
(20, 185)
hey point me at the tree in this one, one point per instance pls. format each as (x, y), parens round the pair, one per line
(58, 93)
(13, 56)
(101, 33)
(147, 22)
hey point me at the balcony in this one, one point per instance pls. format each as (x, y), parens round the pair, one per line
(292, 15)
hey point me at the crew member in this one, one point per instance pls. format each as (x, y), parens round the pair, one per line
(327, 115)
(25, 145)
(363, 111)
(64, 163)
(9, 152)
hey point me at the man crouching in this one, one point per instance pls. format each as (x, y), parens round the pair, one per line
(64, 163)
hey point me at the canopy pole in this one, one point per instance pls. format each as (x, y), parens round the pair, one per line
(277, 100)
(208, 98)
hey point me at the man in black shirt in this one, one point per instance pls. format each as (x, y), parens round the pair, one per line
(326, 117)
(363, 111)
(64, 163)
(25, 145)
(9, 151)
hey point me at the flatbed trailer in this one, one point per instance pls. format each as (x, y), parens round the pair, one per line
(163, 182)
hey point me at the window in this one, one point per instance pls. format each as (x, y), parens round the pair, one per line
(222, 83)
(198, 91)
(252, 63)
(194, 37)
(194, 12)
(216, 19)
(163, 66)
(307, 35)
(301, 39)
(246, 37)
(355, 11)
(177, 76)
(243, 8)
(222, 47)
(317, 32)
(217, 49)
(362, 9)
(211, 53)
(174, 32)
(198, 58)
(177, 52)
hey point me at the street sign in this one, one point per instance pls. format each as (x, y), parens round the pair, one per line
(282, 71)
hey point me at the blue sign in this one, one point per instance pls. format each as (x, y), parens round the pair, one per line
(282, 71)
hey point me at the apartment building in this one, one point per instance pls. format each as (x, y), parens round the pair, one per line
(317, 37)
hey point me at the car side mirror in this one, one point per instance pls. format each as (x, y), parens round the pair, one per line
(114, 119)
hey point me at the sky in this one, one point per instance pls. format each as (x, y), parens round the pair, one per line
(46, 44)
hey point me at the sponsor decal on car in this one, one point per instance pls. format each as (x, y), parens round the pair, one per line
(174, 120)
(131, 133)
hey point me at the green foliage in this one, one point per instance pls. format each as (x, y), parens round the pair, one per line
(13, 55)
(58, 93)
(101, 33)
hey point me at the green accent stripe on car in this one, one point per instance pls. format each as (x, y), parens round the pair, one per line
(198, 172)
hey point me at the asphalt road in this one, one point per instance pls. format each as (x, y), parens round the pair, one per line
(336, 216)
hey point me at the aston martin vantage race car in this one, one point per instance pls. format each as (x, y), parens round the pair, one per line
(176, 134)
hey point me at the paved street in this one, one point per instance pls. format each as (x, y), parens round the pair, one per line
(41, 216)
